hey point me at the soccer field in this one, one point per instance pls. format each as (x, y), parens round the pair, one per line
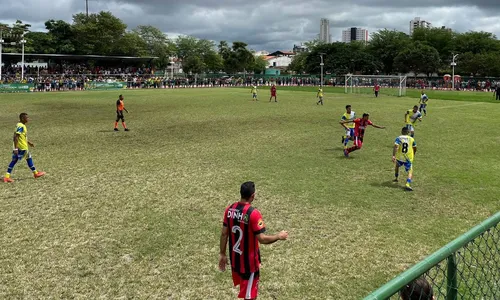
(137, 215)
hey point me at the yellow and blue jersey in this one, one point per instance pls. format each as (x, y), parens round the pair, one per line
(22, 139)
(320, 92)
(349, 117)
(405, 145)
(412, 117)
(254, 90)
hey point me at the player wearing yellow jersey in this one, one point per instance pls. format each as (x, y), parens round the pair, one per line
(21, 149)
(349, 115)
(254, 93)
(403, 153)
(411, 118)
(319, 95)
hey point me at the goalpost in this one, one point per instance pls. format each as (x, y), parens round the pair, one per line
(364, 84)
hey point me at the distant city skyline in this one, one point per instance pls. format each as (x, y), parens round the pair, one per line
(256, 22)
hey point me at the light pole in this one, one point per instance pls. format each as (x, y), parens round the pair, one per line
(1, 42)
(23, 41)
(321, 64)
(453, 64)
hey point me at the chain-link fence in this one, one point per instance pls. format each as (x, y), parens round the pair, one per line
(467, 268)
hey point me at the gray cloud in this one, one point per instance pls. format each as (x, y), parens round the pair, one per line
(269, 25)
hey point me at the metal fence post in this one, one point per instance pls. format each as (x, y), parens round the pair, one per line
(451, 280)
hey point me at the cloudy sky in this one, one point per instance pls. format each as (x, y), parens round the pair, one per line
(265, 25)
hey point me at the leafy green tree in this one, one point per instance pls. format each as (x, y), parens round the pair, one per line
(417, 57)
(62, 37)
(385, 45)
(97, 33)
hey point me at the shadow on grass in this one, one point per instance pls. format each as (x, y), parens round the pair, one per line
(390, 184)
(333, 149)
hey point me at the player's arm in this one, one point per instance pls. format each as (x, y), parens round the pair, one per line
(394, 151)
(223, 243)
(269, 239)
(414, 146)
(125, 109)
(16, 139)
(342, 122)
(377, 126)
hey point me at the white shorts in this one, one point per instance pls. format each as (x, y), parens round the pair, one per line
(410, 127)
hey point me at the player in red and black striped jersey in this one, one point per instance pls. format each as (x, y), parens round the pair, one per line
(244, 228)
(360, 125)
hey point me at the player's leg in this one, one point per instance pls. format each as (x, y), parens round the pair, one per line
(13, 162)
(425, 109)
(409, 169)
(116, 121)
(358, 143)
(123, 121)
(31, 165)
(396, 170)
(347, 137)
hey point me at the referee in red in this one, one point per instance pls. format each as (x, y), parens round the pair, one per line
(244, 228)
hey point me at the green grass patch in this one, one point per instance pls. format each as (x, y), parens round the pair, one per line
(410, 93)
(138, 214)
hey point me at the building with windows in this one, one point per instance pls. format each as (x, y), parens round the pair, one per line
(324, 31)
(354, 34)
(418, 23)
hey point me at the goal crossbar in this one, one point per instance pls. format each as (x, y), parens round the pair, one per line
(401, 82)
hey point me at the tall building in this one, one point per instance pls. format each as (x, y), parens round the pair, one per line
(418, 23)
(324, 31)
(354, 34)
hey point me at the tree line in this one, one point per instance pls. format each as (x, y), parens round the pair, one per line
(104, 34)
(427, 51)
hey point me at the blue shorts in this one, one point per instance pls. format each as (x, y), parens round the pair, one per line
(21, 154)
(254, 96)
(407, 164)
(349, 132)
(423, 105)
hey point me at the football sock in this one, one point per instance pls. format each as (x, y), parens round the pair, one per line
(116, 124)
(124, 125)
(396, 175)
(31, 165)
(408, 181)
(11, 166)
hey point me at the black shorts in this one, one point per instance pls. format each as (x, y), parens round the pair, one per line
(119, 115)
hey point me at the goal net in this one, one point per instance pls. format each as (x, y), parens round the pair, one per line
(364, 84)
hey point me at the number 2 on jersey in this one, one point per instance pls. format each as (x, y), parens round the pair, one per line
(236, 247)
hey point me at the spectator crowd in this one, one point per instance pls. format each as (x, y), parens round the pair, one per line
(67, 77)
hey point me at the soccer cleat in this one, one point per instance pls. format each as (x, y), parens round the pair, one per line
(116, 129)
(408, 187)
(346, 153)
(39, 174)
(395, 180)
(126, 129)
(7, 180)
